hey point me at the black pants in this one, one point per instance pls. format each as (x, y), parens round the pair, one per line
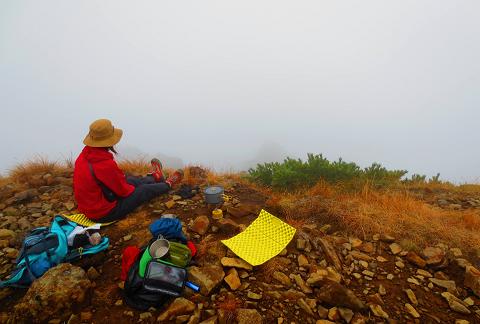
(145, 190)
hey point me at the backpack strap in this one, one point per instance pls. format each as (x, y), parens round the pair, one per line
(90, 167)
(107, 192)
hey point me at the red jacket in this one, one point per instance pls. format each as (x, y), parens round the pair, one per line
(88, 194)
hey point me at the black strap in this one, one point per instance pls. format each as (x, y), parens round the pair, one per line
(48, 243)
(90, 166)
(62, 221)
(107, 192)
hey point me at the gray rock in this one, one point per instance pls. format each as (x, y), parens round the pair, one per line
(335, 294)
(11, 211)
(330, 253)
(180, 306)
(447, 284)
(208, 277)
(433, 255)
(26, 195)
(455, 304)
(346, 314)
(472, 279)
(61, 288)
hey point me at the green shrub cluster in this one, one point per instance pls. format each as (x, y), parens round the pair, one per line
(295, 173)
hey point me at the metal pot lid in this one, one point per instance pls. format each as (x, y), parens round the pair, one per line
(214, 190)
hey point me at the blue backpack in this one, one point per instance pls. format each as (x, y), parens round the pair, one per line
(44, 248)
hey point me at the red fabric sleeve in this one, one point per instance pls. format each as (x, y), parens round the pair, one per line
(110, 175)
(128, 258)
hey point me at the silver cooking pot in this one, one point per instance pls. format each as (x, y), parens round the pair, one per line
(213, 195)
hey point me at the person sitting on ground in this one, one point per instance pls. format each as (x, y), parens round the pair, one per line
(102, 191)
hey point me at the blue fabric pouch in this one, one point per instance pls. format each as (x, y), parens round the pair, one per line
(169, 228)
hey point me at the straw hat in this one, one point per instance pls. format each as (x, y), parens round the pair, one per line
(102, 134)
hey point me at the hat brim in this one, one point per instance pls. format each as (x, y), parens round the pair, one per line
(108, 142)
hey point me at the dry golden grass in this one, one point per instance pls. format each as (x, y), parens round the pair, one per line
(195, 175)
(271, 266)
(296, 221)
(468, 188)
(388, 212)
(229, 306)
(4, 180)
(135, 167)
(203, 247)
(70, 162)
(361, 213)
(30, 171)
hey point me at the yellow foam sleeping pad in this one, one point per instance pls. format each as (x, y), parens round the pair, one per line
(82, 220)
(263, 239)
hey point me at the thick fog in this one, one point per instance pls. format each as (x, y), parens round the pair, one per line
(230, 83)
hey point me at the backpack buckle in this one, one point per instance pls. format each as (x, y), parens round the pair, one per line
(80, 251)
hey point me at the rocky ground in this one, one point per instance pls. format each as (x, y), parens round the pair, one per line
(322, 276)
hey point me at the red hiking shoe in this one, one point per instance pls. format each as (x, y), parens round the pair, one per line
(175, 178)
(157, 172)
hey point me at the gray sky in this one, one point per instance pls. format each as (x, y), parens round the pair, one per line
(218, 82)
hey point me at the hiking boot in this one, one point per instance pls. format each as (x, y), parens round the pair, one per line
(175, 178)
(157, 172)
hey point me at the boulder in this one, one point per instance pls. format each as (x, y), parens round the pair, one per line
(208, 277)
(61, 288)
(335, 294)
(200, 225)
(472, 279)
(180, 306)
